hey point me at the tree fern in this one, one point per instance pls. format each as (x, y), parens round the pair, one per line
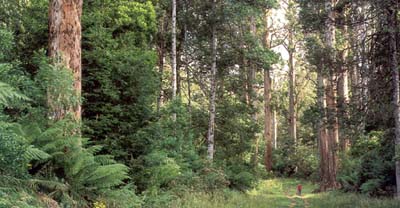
(8, 94)
(81, 175)
(33, 153)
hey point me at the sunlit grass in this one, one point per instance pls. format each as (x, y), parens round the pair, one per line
(280, 193)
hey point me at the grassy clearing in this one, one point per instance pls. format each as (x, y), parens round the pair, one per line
(280, 193)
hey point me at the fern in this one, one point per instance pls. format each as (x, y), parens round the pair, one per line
(81, 175)
(33, 153)
(8, 94)
(108, 175)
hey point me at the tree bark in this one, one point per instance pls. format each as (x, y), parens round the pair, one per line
(211, 123)
(394, 65)
(343, 90)
(267, 103)
(267, 122)
(274, 130)
(253, 92)
(161, 60)
(331, 95)
(292, 83)
(322, 131)
(65, 45)
(173, 53)
(173, 57)
(343, 102)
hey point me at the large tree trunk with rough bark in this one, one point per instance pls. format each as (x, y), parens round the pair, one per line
(267, 103)
(343, 90)
(213, 87)
(331, 102)
(253, 92)
(65, 46)
(394, 65)
(322, 131)
(267, 122)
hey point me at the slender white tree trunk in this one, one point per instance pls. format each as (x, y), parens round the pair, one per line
(275, 129)
(213, 87)
(173, 54)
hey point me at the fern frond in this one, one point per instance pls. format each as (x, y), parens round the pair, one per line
(108, 176)
(94, 149)
(8, 94)
(81, 162)
(49, 184)
(105, 159)
(33, 153)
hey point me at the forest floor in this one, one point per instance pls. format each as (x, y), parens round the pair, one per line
(281, 193)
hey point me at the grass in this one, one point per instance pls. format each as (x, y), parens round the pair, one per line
(281, 193)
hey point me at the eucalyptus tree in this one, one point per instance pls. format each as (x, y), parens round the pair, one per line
(65, 46)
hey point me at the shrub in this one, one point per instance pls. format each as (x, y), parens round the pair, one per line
(12, 155)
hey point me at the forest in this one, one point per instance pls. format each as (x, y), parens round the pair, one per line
(199, 103)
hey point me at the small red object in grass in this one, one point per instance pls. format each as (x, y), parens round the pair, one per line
(299, 188)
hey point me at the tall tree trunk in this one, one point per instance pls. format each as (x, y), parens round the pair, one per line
(161, 60)
(343, 98)
(267, 103)
(292, 84)
(186, 58)
(65, 45)
(394, 65)
(173, 53)
(211, 123)
(173, 56)
(331, 94)
(322, 131)
(253, 92)
(267, 122)
(274, 130)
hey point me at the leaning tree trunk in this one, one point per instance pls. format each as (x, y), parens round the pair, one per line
(65, 47)
(394, 65)
(267, 103)
(211, 123)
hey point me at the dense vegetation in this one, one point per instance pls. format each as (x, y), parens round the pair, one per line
(190, 103)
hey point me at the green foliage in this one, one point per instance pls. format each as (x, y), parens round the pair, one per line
(280, 193)
(120, 84)
(171, 161)
(8, 93)
(300, 161)
(13, 161)
(368, 166)
(56, 83)
(21, 199)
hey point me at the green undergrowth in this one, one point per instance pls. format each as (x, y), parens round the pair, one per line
(277, 193)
